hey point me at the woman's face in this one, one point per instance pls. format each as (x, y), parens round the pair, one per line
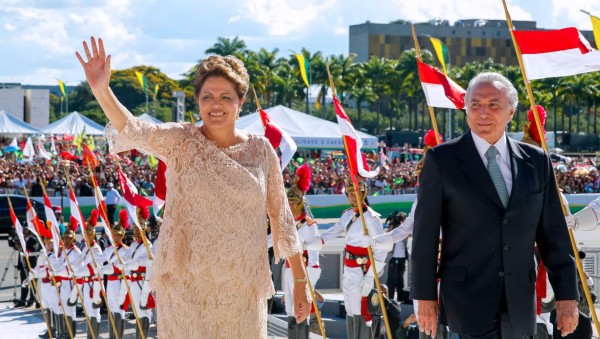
(219, 103)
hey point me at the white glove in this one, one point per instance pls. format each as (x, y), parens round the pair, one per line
(586, 219)
(106, 269)
(367, 285)
(119, 265)
(27, 280)
(571, 221)
(82, 272)
(146, 289)
(313, 244)
(132, 265)
(313, 274)
(379, 265)
(97, 289)
(73, 296)
(34, 274)
(383, 242)
(122, 293)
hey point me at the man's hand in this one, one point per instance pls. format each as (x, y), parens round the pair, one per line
(571, 221)
(567, 316)
(427, 317)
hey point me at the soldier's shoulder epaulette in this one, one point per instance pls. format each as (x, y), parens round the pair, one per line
(373, 213)
(310, 221)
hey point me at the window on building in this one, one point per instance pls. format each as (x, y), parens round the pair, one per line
(480, 51)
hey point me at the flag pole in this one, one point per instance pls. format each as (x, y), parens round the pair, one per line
(33, 281)
(431, 113)
(312, 293)
(89, 248)
(364, 223)
(56, 248)
(582, 276)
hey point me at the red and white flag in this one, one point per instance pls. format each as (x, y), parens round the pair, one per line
(440, 91)
(101, 206)
(53, 223)
(76, 211)
(132, 198)
(18, 229)
(34, 222)
(88, 156)
(556, 53)
(160, 188)
(352, 144)
(278, 138)
(36, 225)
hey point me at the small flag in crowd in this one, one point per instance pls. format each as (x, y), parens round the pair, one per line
(89, 158)
(556, 53)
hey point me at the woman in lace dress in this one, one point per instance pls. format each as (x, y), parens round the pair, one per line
(211, 271)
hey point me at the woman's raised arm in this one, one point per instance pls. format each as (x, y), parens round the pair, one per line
(97, 73)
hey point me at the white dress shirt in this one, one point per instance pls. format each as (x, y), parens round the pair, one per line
(503, 157)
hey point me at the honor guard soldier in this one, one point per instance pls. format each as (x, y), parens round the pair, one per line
(358, 278)
(68, 290)
(138, 264)
(114, 275)
(47, 290)
(307, 228)
(92, 256)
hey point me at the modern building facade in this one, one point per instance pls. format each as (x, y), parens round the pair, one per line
(467, 40)
(31, 105)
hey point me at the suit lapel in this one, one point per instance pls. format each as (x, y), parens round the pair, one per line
(472, 167)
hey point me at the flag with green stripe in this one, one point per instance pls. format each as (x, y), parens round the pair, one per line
(304, 68)
(142, 80)
(441, 51)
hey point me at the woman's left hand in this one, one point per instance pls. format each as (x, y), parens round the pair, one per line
(302, 301)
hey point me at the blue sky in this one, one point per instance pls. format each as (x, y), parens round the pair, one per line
(38, 38)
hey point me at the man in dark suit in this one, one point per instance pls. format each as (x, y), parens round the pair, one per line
(490, 213)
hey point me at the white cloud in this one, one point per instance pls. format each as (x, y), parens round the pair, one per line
(9, 27)
(570, 10)
(284, 17)
(235, 18)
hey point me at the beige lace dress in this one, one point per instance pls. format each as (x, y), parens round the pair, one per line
(211, 271)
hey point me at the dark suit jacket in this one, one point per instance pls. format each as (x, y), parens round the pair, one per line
(486, 248)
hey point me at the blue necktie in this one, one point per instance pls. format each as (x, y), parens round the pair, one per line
(494, 170)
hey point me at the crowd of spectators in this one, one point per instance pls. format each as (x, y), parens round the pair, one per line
(329, 174)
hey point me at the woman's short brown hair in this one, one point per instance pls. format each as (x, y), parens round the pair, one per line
(229, 67)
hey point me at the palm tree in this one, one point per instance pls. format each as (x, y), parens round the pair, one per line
(378, 70)
(226, 46)
(344, 68)
(361, 91)
(268, 63)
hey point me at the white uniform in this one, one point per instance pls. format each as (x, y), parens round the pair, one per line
(91, 283)
(60, 266)
(305, 231)
(355, 283)
(114, 277)
(137, 264)
(47, 289)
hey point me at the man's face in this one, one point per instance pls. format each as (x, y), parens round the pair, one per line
(488, 112)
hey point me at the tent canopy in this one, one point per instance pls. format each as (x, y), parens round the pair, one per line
(9, 124)
(308, 132)
(74, 123)
(147, 117)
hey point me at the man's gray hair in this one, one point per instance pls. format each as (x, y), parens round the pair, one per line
(497, 80)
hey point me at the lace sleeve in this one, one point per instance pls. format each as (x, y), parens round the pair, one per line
(156, 139)
(285, 236)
